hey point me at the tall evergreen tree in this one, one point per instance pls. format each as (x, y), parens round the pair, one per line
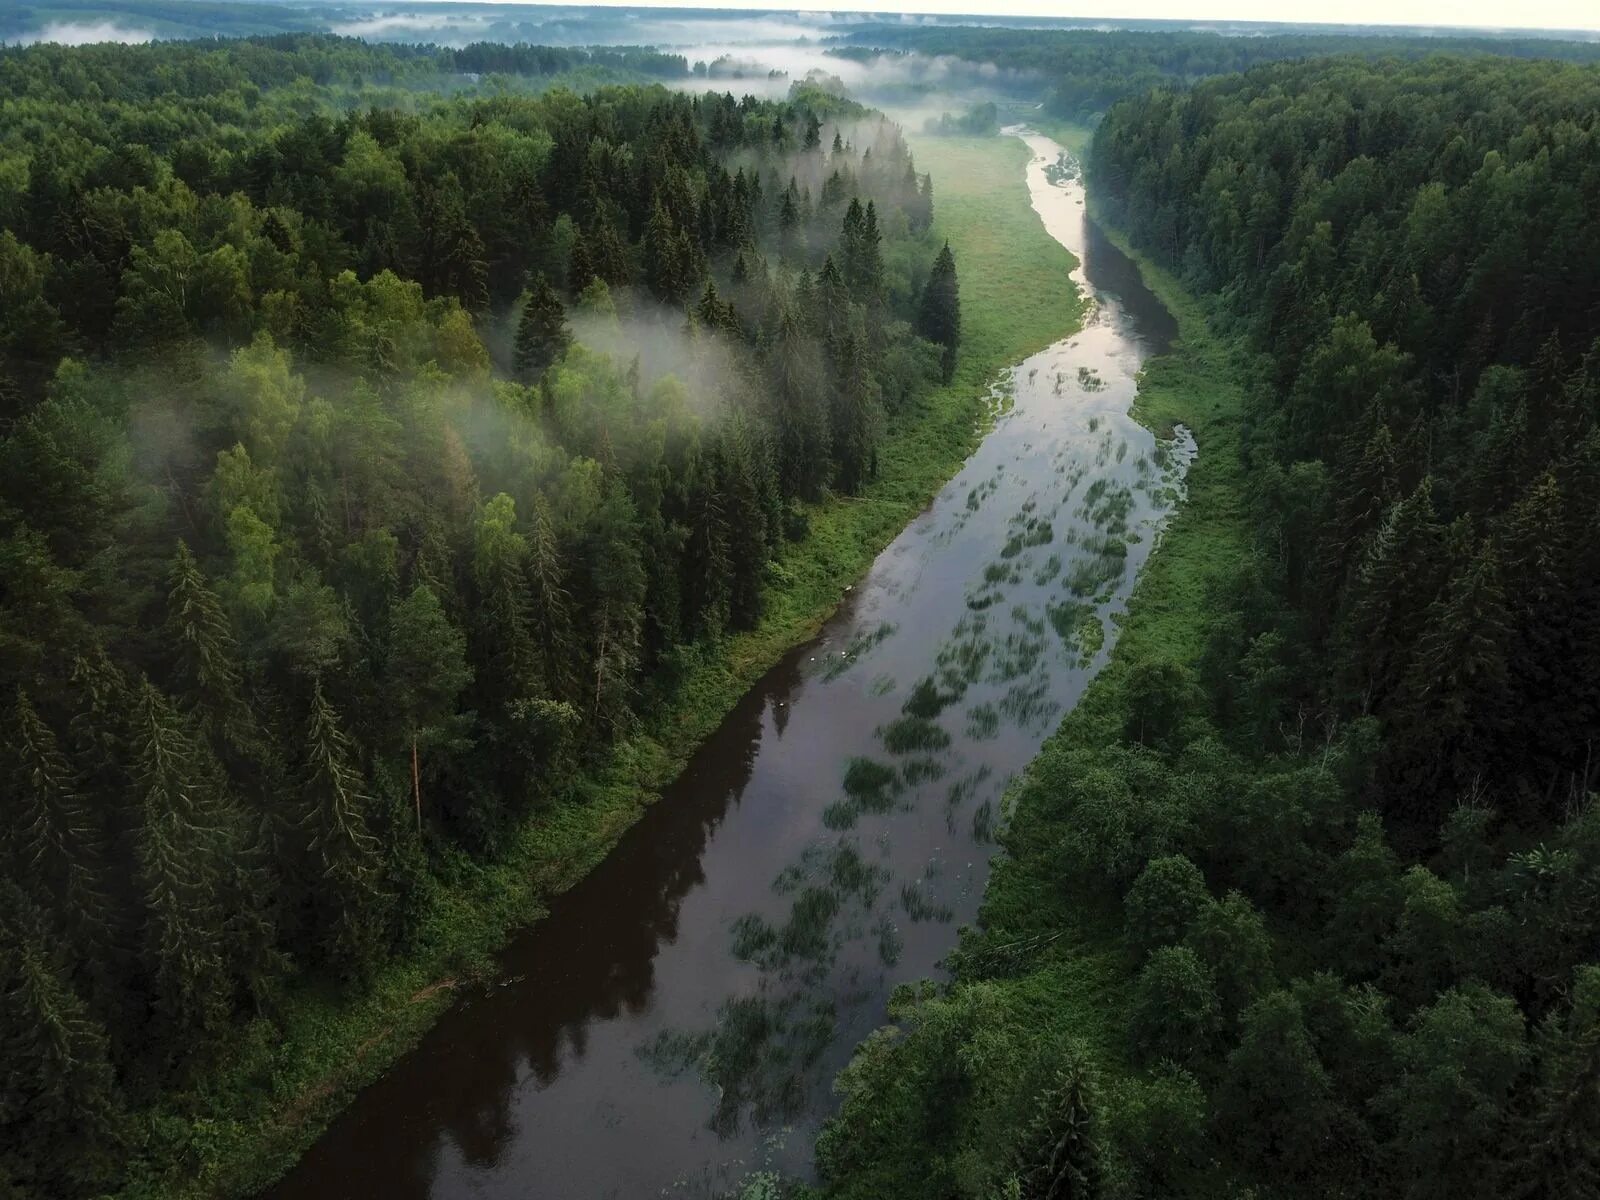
(939, 314)
(61, 1119)
(345, 856)
(542, 333)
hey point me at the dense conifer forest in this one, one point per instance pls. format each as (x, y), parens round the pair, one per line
(365, 472)
(1303, 901)
(1082, 72)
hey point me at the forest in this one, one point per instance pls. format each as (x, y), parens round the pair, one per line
(1083, 72)
(1303, 900)
(367, 472)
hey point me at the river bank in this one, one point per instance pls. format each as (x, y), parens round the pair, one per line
(285, 1079)
(678, 1019)
(1066, 976)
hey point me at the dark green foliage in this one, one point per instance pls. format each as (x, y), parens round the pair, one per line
(1063, 1160)
(1359, 702)
(60, 1114)
(1174, 1015)
(542, 333)
(310, 601)
(1162, 905)
(939, 315)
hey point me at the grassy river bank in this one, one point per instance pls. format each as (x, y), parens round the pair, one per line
(285, 1078)
(906, 1129)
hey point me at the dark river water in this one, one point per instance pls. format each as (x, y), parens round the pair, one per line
(677, 1020)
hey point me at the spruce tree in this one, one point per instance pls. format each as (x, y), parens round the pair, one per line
(550, 598)
(1553, 1152)
(581, 270)
(50, 837)
(207, 660)
(939, 314)
(177, 849)
(542, 333)
(345, 857)
(858, 417)
(1061, 1154)
(61, 1119)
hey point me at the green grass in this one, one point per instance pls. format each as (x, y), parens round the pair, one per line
(283, 1081)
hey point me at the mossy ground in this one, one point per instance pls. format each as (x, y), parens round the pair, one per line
(283, 1080)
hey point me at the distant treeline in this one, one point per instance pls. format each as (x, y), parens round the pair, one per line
(1086, 71)
(210, 71)
(1308, 904)
(308, 603)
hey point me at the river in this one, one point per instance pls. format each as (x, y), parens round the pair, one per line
(678, 1018)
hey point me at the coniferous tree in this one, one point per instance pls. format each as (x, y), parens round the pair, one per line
(178, 848)
(939, 314)
(61, 1119)
(858, 417)
(50, 840)
(542, 333)
(345, 856)
(1063, 1160)
(426, 671)
(1552, 1149)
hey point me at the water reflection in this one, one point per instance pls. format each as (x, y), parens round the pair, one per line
(677, 1019)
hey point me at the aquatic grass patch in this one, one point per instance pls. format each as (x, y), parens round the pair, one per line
(908, 734)
(1017, 655)
(1036, 532)
(871, 784)
(927, 701)
(920, 905)
(918, 771)
(1089, 575)
(890, 941)
(836, 664)
(983, 722)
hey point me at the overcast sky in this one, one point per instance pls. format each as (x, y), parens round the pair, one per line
(1525, 14)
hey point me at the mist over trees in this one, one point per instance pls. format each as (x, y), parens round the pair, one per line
(331, 553)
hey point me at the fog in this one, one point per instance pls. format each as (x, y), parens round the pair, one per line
(82, 33)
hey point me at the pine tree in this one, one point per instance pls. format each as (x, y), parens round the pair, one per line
(61, 1119)
(1389, 593)
(549, 597)
(858, 417)
(426, 671)
(177, 850)
(939, 314)
(50, 838)
(1061, 1156)
(1553, 1152)
(616, 590)
(542, 333)
(664, 270)
(581, 270)
(1451, 709)
(503, 648)
(346, 858)
(206, 669)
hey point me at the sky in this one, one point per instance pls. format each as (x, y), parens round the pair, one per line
(1524, 14)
